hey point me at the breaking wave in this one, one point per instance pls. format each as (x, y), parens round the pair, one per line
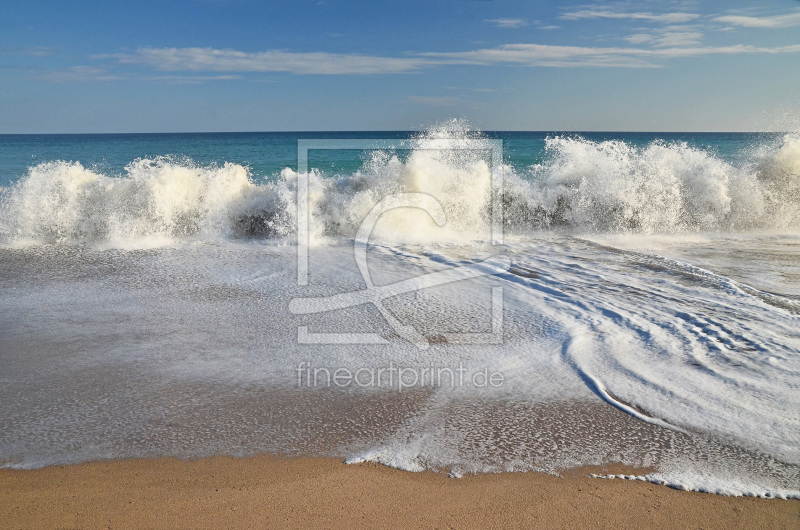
(580, 186)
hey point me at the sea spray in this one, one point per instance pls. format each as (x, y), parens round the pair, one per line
(579, 186)
(662, 188)
(157, 199)
(641, 277)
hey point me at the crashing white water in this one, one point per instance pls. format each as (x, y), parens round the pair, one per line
(581, 186)
(661, 279)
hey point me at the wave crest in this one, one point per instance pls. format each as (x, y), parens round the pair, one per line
(580, 186)
(158, 199)
(661, 188)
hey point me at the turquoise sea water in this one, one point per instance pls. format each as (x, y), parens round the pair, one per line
(266, 154)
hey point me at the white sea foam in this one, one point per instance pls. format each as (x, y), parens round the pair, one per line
(598, 304)
(64, 202)
(206, 328)
(688, 479)
(662, 188)
(581, 186)
(711, 360)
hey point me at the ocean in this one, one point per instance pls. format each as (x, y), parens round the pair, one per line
(447, 299)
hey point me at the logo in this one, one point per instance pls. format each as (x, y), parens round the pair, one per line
(375, 295)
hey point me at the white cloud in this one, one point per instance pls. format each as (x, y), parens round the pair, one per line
(90, 74)
(665, 18)
(548, 55)
(507, 22)
(737, 49)
(639, 38)
(668, 43)
(668, 36)
(572, 56)
(788, 20)
(213, 60)
(678, 38)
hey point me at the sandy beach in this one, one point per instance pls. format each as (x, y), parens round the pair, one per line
(265, 491)
(348, 264)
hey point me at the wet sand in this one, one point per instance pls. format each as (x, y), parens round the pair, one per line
(265, 491)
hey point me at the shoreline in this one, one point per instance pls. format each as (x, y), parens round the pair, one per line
(267, 490)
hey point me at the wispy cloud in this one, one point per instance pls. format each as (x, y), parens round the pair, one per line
(90, 74)
(549, 55)
(665, 18)
(667, 37)
(213, 60)
(639, 38)
(788, 20)
(194, 65)
(574, 56)
(507, 22)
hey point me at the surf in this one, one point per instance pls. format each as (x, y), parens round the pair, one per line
(579, 186)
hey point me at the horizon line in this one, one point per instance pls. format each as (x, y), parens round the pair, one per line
(303, 131)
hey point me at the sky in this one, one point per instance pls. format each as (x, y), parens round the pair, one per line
(243, 65)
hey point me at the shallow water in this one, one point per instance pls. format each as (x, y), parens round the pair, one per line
(643, 309)
(191, 350)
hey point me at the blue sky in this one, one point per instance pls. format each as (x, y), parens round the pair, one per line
(241, 65)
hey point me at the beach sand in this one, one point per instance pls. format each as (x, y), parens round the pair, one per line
(266, 491)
